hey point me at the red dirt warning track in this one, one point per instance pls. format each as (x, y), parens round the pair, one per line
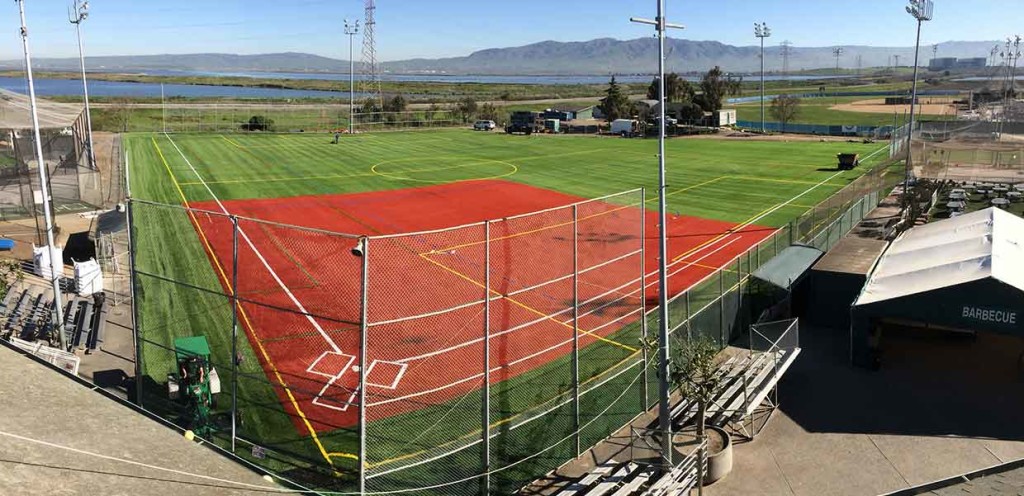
(301, 289)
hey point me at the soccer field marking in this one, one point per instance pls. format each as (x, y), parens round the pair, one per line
(248, 322)
(760, 215)
(522, 305)
(233, 143)
(278, 179)
(477, 162)
(788, 181)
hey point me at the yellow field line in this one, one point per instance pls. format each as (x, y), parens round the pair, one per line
(728, 232)
(232, 142)
(523, 305)
(245, 317)
(786, 181)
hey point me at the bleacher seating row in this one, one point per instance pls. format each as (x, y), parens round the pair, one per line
(25, 313)
(632, 479)
(746, 382)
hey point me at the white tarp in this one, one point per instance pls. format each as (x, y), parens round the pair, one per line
(88, 278)
(974, 246)
(41, 261)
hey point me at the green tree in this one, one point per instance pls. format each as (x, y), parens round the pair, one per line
(691, 113)
(615, 104)
(677, 89)
(10, 274)
(397, 103)
(369, 110)
(466, 109)
(713, 88)
(784, 109)
(488, 111)
(259, 123)
(431, 112)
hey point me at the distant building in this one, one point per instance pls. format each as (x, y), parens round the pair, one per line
(586, 113)
(948, 63)
(942, 63)
(558, 115)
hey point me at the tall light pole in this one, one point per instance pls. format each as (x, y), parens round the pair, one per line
(762, 31)
(922, 11)
(1015, 56)
(76, 14)
(56, 265)
(664, 422)
(351, 30)
(837, 52)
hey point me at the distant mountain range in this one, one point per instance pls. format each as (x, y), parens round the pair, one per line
(600, 56)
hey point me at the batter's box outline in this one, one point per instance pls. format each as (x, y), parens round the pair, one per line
(315, 367)
(323, 400)
(402, 367)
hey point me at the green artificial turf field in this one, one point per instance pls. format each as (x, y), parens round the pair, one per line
(734, 181)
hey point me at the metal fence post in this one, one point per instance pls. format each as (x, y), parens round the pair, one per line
(643, 298)
(134, 283)
(721, 303)
(234, 331)
(689, 328)
(363, 330)
(576, 328)
(486, 408)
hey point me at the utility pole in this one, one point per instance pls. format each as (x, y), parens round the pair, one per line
(897, 58)
(762, 31)
(78, 13)
(921, 10)
(56, 264)
(860, 61)
(664, 422)
(351, 30)
(935, 51)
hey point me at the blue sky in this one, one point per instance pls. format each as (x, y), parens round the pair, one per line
(438, 28)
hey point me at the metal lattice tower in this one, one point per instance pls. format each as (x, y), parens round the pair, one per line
(370, 85)
(787, 50)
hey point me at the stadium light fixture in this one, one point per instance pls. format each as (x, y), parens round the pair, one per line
(77, 13)
(351, 30)
(922, 10)
(56, 265)
(762, 31)
(660, 26)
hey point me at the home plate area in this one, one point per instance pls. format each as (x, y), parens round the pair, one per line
(342, 375)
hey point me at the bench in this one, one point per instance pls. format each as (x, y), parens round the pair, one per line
(98, 326)
(677, 481)
(580, 486)
(608, 484)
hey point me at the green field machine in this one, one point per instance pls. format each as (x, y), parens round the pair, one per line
(848, 161)
(194, 384)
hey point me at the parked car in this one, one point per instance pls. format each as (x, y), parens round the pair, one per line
(484, 125)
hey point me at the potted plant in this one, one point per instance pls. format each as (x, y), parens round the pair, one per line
(693, 371)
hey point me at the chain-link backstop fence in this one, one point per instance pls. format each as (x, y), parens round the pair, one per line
(456, 361)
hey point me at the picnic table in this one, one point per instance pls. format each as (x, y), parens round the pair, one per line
(958, 195)
(955, 205)
(1014, 195)
(1001, 188)
(1000, 202)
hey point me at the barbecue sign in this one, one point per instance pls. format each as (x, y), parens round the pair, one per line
(990, 315)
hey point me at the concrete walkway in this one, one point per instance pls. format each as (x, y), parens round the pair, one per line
(940, 406)
(59, 437)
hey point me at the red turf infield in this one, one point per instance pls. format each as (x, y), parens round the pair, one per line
(420, 353)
